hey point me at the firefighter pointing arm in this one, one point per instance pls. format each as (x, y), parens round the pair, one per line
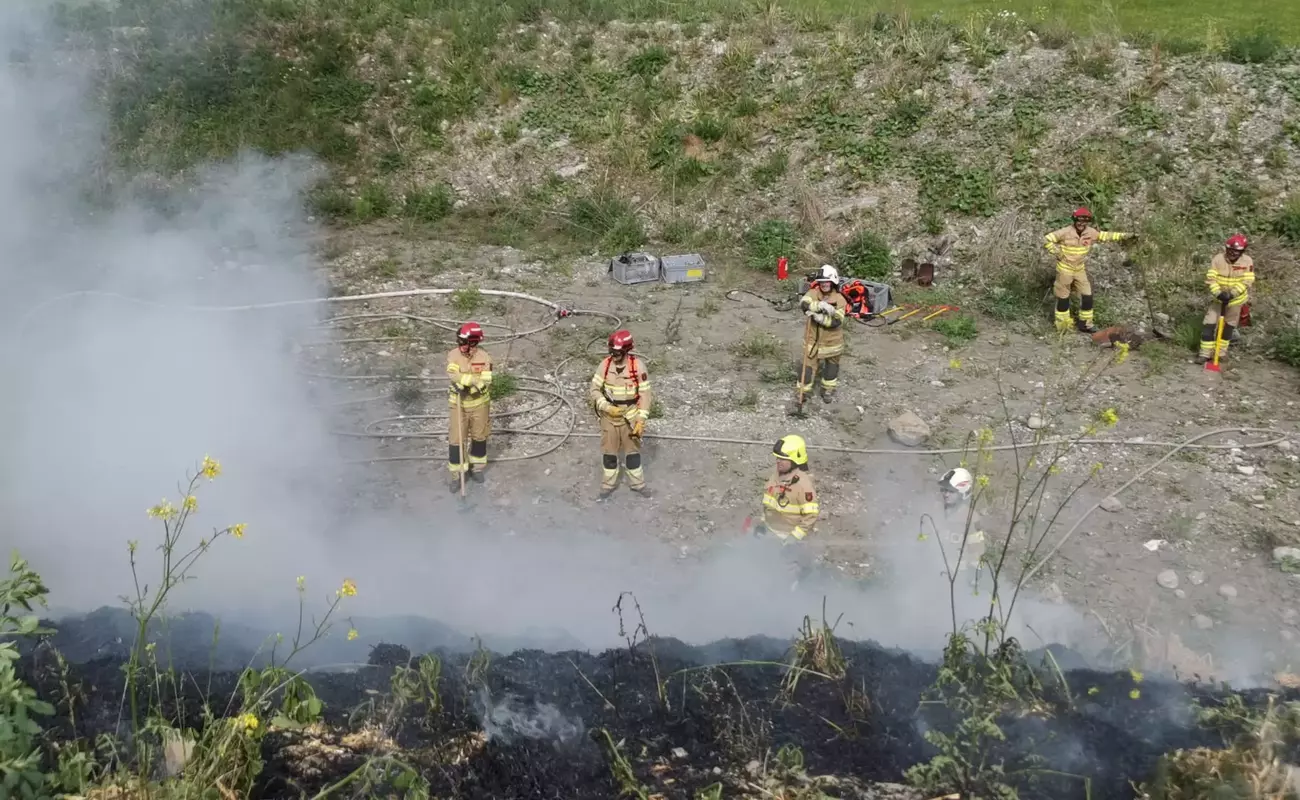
(823, 339)
(620, 396)
(1229, 279)
(1071, 245)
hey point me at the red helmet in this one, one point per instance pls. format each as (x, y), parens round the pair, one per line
(621, 342)
(1082, 212)
(1237, 242)
(471, 333)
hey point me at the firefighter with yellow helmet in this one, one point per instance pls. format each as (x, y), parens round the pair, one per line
(620, 396)
(790, 506)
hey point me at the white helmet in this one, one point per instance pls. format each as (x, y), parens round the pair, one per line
(956, 484)
(828, 273)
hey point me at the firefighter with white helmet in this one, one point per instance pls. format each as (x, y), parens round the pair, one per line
(469, 369)
(620, 395)
(955, 487)
(823, 337)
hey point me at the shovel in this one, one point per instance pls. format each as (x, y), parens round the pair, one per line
(1213, 366)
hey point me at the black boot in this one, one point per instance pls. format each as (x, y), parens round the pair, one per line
(476, 475)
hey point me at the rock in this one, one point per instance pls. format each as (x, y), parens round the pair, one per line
(1228, 590)
(1035, 423)
(1201, 516)
(1196, 577)
(1168, 579)
(1245, 470)
(571, 170)
(937, 384)
(856, 204)
(1202, 622)
(1112, 504)
(679, 752)
(1162, 317)
(1290, 616)
(1283, 554)
(1288, 636)
(908, 429)
(1284, 445)
(1180, 594)
(1053, 594)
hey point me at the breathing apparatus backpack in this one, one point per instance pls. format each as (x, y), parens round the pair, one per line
(865, 298)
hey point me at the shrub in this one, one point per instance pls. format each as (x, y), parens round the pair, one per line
(866, 255)
(956, 329)
(603, 219)
(1287, 222)
(1257, 47)
(429, 204)
(1285, 347)
(768, 241)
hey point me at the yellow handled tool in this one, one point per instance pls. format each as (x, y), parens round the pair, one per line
(1213, 366)
(905, 316)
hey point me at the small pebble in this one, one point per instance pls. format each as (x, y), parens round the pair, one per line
(1196, 577)
(1199, 516)
(1112, 504)
(1168, 579)
(1228, 590)
(1246, 470)
(1202, 622)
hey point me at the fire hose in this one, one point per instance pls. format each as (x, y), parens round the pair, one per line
(552, 389)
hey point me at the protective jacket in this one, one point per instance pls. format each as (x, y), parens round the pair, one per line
(1071, 247)
(1234, 278)
(790, 506)
(823, 336)
(470, 378)
(621, 392)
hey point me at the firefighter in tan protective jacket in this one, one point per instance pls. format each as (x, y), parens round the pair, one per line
(790, 505)
(620, 395)
(469, 370)
(823, 336)
(1071, 245)
(1229, 278)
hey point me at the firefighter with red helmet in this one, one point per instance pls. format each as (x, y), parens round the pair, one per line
(1070, 245)
(1229, 279)
(620, 396)
(469, 370)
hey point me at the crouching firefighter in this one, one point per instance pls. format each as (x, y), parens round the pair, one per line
(620, 396)
(962, 551)
(1229, 278)
(1071, 245)
(823, 337)
(469, 369)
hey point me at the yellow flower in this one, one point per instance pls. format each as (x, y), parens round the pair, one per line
(132, 545)
(954, 363)
(1134, 694)
(1093, 691)
(302, 583)
(1109, 417)
(352, 634)
(191, 503)
(1135, 675)
(210, 468)
(1121, 354)
(1053, 470)
(349, 588)
(164, 510)
(986, 435)
(982, 480)
(1096, 467)
(237, 530)
(248, 722)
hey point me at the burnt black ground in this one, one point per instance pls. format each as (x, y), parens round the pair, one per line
(721, 704)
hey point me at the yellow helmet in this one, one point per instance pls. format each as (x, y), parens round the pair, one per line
(791, 448)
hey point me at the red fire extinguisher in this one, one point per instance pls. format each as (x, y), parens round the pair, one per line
(781, 269)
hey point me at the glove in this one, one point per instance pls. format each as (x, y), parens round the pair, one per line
(1224, 296)
(465, 381)
(822, 320)
(798, 533)
(826, 308)
(638, 428)
(808, 312)
(614, 411)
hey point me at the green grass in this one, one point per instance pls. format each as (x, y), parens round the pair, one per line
(956, 329)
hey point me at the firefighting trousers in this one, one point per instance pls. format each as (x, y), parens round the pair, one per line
(469, 427)
(616, 438)
(828, 368)
(1210, 326)
(1066, 282)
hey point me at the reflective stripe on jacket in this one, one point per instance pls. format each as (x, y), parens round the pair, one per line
(470, 378)
(1235, 279)
(1071, 248)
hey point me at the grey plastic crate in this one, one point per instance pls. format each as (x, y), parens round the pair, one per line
(631, 268)
(683, 269)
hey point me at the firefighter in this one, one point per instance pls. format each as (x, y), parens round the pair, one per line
(955, 488)
(1070, 245)
(469, 369)
(790, 507)
(823, 337)
(620, 395)
(1229, 278)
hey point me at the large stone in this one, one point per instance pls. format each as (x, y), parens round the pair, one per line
(1282, 555)
(1112, 504)
(1168, 579)
(909, 429)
